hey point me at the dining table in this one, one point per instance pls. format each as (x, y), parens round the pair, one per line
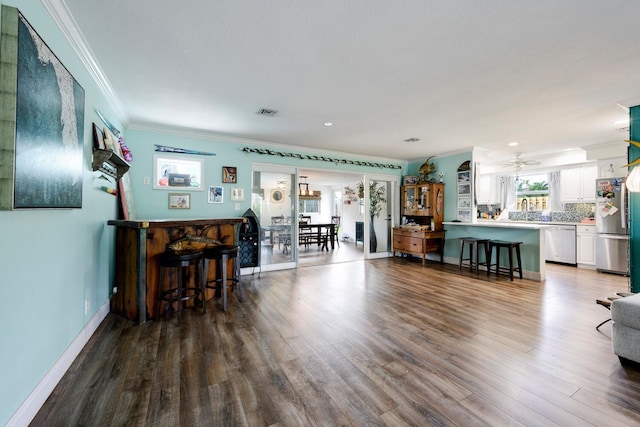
(316, 231)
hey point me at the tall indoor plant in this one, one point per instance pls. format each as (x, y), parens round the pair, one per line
(376, 201)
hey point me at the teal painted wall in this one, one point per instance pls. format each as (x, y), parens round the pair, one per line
(52, 260)
(153, 203)
(634, 207)
(449, 166)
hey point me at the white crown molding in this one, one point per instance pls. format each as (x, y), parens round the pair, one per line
(63, 19)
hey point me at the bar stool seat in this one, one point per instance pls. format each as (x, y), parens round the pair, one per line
(474, 249)
(179, 261)
(510, 246)
(222, 254)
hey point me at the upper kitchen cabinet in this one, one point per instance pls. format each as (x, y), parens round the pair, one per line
(612, 168)
(578, 184)
(487, 190)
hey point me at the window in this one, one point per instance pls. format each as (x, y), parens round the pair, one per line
(532, 193)
(309, 206)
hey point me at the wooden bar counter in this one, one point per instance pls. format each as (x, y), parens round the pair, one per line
(138, 245)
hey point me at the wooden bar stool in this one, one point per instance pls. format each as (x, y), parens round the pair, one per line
(222, 254)
(510, 246)
(474, 248)
(179, 262)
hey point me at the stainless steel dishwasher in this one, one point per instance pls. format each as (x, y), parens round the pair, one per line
(560, 243)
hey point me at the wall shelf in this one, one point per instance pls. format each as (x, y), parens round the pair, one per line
(109, 163)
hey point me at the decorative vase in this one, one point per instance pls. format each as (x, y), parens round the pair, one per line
(373, 240)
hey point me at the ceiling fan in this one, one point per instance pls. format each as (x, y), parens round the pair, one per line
(519, 163)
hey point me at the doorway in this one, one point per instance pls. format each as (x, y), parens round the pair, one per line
(284, 197)
(339, 203)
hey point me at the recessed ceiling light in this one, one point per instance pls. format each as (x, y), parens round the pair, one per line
(327, 124)
(513, 144)
(412, 140)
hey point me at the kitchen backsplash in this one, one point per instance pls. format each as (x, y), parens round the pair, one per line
(574, 212)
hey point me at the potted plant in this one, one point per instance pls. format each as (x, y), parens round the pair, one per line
(376, 201)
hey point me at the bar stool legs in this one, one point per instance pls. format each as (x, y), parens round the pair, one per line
(474, 253)
(179, 262)
(510, 246)
(222, 254)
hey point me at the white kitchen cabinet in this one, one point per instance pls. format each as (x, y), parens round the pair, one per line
(586, 246)
(487, 190)
(612, 168)
(578, 184)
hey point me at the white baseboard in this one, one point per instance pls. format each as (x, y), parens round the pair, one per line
(32, 404)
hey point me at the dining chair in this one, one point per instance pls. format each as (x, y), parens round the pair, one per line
(336, 220)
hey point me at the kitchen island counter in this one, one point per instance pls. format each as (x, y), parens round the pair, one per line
(529, 233)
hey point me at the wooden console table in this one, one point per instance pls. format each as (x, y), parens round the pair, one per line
(418, 241)
(138, 244)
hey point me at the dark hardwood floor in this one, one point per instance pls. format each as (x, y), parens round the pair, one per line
(382, 342)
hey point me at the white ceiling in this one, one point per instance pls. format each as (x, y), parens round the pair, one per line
(453, 73)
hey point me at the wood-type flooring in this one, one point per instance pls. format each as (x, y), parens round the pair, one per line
(379, 342)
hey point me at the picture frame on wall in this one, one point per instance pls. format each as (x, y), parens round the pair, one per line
(277, 195)
(464, 189)
(216, 194)
(464, 202)
(229, 174)
(179, 201)
(464, 176)
(464, 215)
(410, 180)
(237, 194)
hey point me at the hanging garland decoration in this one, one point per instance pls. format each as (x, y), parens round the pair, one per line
(268, 152)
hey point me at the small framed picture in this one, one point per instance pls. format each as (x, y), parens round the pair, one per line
(410, 179)
(237, 194)
(464, 189)
(464, 202)
(179, 201)
(229, 175)
(464, 176)
(464, 215)
(216, 194)
(277, 195)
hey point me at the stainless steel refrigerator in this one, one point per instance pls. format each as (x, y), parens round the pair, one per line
(612, 230)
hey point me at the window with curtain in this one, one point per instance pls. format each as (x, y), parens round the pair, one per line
(532, 193)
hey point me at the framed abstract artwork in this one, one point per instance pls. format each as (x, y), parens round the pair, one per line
(42, 139)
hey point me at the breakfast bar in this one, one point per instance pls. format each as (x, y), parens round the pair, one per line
(138, 246)
(530, 234)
